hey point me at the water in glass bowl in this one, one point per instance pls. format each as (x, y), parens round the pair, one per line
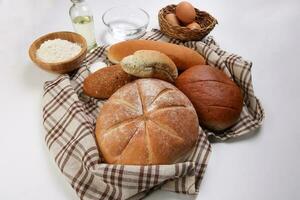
(126, 30)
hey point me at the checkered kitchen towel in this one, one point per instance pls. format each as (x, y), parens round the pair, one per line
(70, 116)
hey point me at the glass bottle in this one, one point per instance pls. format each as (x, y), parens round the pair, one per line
(83, 22)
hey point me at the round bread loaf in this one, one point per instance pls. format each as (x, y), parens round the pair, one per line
(216, 98)
(147, 122)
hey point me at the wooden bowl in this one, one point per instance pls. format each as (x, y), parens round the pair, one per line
(204, 19)
(59, 67)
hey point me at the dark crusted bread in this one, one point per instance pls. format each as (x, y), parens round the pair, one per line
(216, 98)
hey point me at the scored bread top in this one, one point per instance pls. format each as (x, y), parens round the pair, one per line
(145, 122)
(150, 64)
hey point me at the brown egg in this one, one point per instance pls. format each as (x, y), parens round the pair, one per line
(172, 19)
(193, 25)
(185, 12)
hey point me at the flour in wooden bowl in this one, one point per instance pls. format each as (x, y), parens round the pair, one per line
(57, 50)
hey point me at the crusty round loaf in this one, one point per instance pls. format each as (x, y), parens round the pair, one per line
(182, 56)
(150, 64)
(216, 98)
(104, 82)
(146, 122)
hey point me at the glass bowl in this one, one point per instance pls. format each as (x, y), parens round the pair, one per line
(126, 22)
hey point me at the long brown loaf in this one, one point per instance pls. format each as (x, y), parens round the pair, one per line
(146, 122)
(104, 82)
(183, 57)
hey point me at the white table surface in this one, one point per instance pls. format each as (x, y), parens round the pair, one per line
(264, 165)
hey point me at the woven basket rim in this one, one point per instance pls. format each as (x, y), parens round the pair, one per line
(185, 32)
(162, 13)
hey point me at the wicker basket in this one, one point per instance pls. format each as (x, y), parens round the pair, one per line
(205, 20)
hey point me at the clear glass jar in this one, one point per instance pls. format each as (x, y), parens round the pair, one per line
(83, 22)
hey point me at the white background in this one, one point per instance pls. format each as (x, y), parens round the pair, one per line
(263, 166)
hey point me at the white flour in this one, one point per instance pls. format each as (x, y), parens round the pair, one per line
(57, 50)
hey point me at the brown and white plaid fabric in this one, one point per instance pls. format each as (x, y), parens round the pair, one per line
(70, 116)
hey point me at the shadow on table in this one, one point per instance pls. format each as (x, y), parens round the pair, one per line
(159, 194)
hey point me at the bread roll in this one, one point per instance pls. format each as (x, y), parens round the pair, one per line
(183, 57)
(216, 98)
(104, 82)
(147, 122)
(150, 64)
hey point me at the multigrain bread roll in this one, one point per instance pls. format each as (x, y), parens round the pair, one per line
(147, 122)
(183, 57)
(150, 64)
(104, 82)
(216, 98)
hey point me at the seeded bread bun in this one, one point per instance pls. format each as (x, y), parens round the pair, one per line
(216, 98)
(150, 64)
(104, 82)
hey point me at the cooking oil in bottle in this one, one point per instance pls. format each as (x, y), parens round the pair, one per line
(84, 25)
(83, 22)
